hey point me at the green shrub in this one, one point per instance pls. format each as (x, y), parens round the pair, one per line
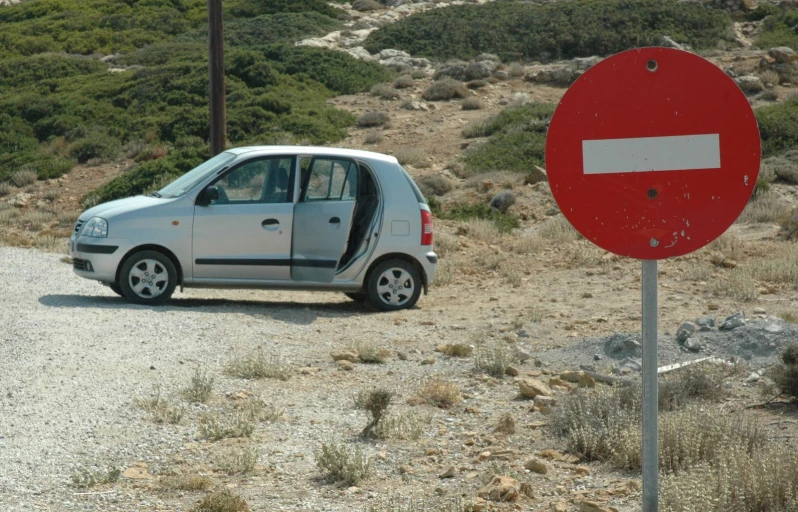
(779, 27)
(445, 89)
(505, 222)
(778, 127)
(785, 374)
(221, 501)
(341, 463)
(559, 30)
(434, 184)
(370, 119)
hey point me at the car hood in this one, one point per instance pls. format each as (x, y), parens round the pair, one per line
(113, 209)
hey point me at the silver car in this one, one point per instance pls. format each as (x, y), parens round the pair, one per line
(272, 217)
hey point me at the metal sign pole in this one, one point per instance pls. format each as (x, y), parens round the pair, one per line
(650, 391)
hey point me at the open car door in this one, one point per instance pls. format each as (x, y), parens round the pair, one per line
(323, 217)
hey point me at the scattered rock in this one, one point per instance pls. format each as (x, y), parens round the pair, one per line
(138, 472)
(501, 489)
(619, 345)
(733, 321)
(537, 466)
(592, 506)
(345, 365)
(783, 54)
(512, 371)
(428, 360)
(503, 201)
(522, 355)
(449, 473)
(531, 388)
(345, 355)
(705, 323)
(685, 331)
(754, 377)
(750, 83)
(693, 345)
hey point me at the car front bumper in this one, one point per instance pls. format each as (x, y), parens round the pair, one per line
(97, 258)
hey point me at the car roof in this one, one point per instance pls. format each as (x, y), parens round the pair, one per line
(314, 151)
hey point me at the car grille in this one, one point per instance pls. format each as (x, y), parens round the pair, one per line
(78, 227)
(80, 264)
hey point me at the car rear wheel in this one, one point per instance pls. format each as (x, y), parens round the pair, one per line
(148, 277)
(394, 285)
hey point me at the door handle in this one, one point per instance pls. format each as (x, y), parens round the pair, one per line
(270, 223)
(335, 220)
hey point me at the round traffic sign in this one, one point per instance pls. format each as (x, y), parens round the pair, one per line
(653, 153)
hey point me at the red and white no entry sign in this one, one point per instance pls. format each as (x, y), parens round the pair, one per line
(653, 153)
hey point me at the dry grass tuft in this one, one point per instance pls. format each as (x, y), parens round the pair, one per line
(5, 188)
(159, 408)
(472, 103)
(373, 137)
(376, 403)
(410, 156)
(187, 482)
(86, 478)
(494, 359)
(370, 119)
(200, 389)
(558, 230)
(446, 244)
(369, 353)
(258, 365)
(480, 230)
(458, 350)
(343, 464)
(23, 178)
(405, 427)
(401, 504)
(404, 82)
(737, 284)
(764, 480)
(445, 89)
(439, 392)
(37, 219)
(226, 424)
(434, 184)
(222, 501)
(236, 460)
(765, 207)
(446, 271)
(729, 245)
(476, 129)
(386, 92)
(785, 374)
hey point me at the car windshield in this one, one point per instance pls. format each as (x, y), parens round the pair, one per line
(195, 176)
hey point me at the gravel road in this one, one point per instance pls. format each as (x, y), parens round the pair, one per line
(73, 356)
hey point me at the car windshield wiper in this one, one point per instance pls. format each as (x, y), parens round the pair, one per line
(155, 194)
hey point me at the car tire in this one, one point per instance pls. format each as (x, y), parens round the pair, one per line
(393, 285)
(116, 289)
(147, 277)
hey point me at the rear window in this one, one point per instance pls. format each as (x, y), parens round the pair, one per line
(416, 191)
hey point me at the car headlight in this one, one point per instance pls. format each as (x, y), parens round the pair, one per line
(96, 227)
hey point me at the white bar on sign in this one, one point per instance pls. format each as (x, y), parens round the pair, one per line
(646, 154)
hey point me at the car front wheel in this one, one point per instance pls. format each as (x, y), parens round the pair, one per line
(394, 285)
(148, 277)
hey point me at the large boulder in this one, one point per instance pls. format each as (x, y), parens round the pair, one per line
(783, 54)
(531, 388)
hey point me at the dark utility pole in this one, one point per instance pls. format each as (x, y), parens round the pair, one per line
(216, 53)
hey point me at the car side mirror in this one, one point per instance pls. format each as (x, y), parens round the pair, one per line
(208, 195)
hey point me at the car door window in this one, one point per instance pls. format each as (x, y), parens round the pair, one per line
(265, 180)
(329, 179)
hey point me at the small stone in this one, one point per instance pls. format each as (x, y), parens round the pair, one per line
(501, 489)
(512, 371)
(522, 355)
(712, 307)
(449, 473)
(685, 331)
(345, 365)
(427, 361)
(556, 381)
(760, 311)
(479, 505)
(345, 355)
(531, 388)
(592, 506)
(705, 323)
(596, 357)
(754, 377)
(561, 506)
(693, 345)
(582, 470)
(572, 376)
(537, 466)
(733, 321)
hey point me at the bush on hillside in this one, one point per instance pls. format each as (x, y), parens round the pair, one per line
(560, 30)
(778, 29)
(785, 375)
(252, 8)
(517, 140)
(778, 127)
(445, 89)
